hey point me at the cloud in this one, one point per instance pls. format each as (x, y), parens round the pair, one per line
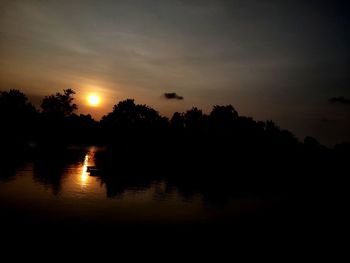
(172, 96)
(340, 100)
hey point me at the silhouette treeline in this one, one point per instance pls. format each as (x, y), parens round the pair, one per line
(57, 123)
(220, 154)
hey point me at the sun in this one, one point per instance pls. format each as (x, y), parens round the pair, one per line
(93, 100)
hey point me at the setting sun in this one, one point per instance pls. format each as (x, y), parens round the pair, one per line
(93, 100)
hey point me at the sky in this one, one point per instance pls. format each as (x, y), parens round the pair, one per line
(286, 61)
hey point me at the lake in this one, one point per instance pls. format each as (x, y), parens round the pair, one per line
(58, 189)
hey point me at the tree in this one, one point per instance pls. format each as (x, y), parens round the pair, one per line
(15, 108)
(224, 112)
(59, 105)
(178, 121)
(223, 116)
(272, 130)
(311, 143)
(126, 114)
(13, 98)
(17, 118)
(194, 118)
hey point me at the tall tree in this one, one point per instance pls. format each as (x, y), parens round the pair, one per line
(59, 105)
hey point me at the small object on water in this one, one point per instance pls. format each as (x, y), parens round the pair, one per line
(93, 170)
(89, 168)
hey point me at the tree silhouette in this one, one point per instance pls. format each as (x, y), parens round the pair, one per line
(311, 142)
(271, 130)
(16, 114)
(18, 121)
(128, 115)
(14, 106)
(194, 118)
(59, 105)
(223, 116)
(56, 128)
(178, 121)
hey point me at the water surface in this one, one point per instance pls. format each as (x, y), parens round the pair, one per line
(58, 189)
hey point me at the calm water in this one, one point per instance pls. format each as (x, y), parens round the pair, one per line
(64, 192)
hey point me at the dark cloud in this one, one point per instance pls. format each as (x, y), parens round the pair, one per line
(340, 100)
(172, 96)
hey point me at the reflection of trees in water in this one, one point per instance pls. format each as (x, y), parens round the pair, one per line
(11, 158)
(219, 170)
(50, 166)
(117, 184)
(188, 180)
(162, 190)
(49, 174)
(8, 170)
(216, 191)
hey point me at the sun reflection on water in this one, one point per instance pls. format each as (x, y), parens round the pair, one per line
(78, 182)
(89, 160)
(84, 178)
